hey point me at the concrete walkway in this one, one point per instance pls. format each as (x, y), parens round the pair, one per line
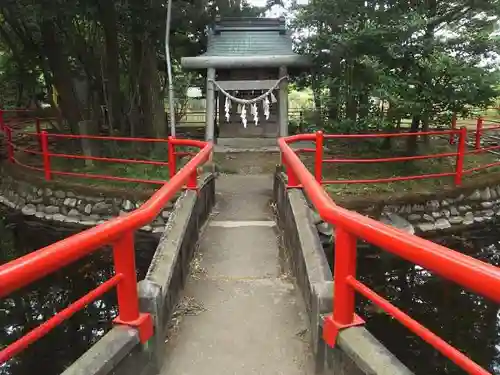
(246, 316)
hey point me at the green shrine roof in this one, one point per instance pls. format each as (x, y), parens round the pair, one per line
(247, 43)
(249, 37)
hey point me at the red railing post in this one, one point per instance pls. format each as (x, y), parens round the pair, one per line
(344, 294)
(38, 131)
(462, 138)
(479, 129)
(172, 162)
(126, 290)
(345, 265)
(10, 145)
(45, 153)
(293, 181)
(453, 127)
(124, 260)
(318, 161)
(192, 183)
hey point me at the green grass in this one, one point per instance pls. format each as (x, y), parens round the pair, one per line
(136, 171)
(339, 149)
(149, 152)
(138, 151)
(107, 149)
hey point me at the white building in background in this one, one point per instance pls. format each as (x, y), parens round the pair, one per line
(194, 92)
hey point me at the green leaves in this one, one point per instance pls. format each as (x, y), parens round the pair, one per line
(113, 46)
(420, 58)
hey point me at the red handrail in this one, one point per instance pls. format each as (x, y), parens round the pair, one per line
(46, 155)
(117, 232)
(459, 155)
(466, 271)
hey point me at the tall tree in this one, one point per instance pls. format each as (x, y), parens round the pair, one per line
(423, 58)
(106, 59)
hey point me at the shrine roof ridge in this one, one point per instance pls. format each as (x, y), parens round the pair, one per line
(249, 24)
(247, 43)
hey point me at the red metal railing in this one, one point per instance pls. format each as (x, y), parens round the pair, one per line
(459, 155)
(45, 139)
(480, 130)
(119, 233)
(480, 133)
(350, 226)
(457, 137)
(319, 139)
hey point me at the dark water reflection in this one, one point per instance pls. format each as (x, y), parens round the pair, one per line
(467, 321)
(27, 308)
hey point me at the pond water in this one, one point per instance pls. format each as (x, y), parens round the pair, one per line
(27, 308)
(467, 321)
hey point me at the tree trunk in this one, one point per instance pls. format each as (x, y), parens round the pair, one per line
(352, 107)
(114, 97)
(89, 147)
(316, 88)
(391, 113)
(351, 97)
(62, 76)
(334, 88)
(134, 115)
(412, 146)
(333, 105)
(423, 76)
(425, 128)
(150, 89)
(364, 105)
(20, 94)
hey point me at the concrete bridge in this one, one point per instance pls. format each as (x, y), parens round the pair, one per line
(242, 306)
(240, 259)
(241, 263)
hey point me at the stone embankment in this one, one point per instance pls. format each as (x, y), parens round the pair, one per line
(71, 207)
(431, 216)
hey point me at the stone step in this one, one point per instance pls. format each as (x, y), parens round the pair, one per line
(230, 145)
(246, 142)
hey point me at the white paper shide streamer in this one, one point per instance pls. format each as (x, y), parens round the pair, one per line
(266, 99)
(244, 115)
(267, 110)
(255, 113)
(253, 107)
(227, 107)
(254, 110)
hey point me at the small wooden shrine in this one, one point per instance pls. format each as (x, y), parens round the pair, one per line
(248, 64)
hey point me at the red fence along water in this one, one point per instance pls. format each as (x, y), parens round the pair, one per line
(119, 233)
(17, 126)
(477, 276)
(472, 274)
(457, 137)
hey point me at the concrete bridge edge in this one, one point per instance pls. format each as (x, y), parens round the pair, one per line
(119, 351)
(358, 352)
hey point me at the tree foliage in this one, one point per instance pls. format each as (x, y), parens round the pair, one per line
(379, 61)
(105, 59)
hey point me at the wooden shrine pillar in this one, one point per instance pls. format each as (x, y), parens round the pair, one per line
(283, 103)
(210, 105)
